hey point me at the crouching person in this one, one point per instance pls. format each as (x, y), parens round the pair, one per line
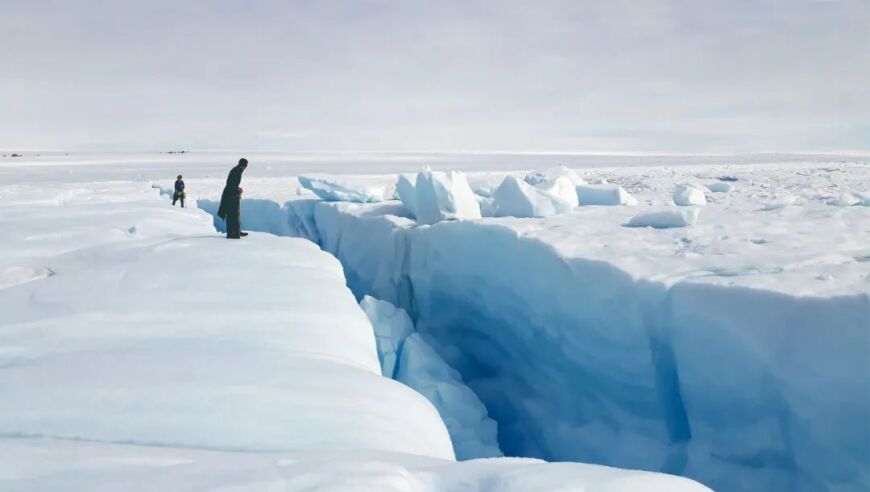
(234, 216)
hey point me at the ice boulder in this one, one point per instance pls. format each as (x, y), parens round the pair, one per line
(686, 195)
(535, 178)
(392, 326)
(604, 194)
(332, 190)
(471, 430)
(488, 207)
(665, 219)
(483, 186)
(720, 187)
(516, 198)
(407, 194)
(562, 187)
(444, 196)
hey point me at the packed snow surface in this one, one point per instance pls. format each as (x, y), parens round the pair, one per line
(49, 465)
(734, 351)
(140, 350)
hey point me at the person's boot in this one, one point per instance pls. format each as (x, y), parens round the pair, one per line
(243, 234)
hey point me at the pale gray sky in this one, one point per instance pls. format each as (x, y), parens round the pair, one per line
(609, 75)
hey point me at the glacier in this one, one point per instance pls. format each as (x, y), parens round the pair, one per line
(140, 350)
(581, 350)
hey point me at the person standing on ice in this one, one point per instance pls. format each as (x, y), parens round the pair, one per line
(234, 216)
(179, 191)
(232, 193)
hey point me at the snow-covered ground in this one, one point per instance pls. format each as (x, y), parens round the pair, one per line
(141, 350)
(732, 348)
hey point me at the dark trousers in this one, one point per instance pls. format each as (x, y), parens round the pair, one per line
(234, 227)
(178, 196)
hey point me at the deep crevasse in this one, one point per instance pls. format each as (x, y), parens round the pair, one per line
(576, 360)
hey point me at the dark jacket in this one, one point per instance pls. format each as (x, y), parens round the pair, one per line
(179, 185)
(233, 208)
(234, 216)
(234, 179)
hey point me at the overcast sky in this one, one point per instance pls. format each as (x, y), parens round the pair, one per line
(580, 75)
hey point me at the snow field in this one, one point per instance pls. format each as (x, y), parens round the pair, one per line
(598, 346)
(155, 354)
(50, 465)
(178, 335)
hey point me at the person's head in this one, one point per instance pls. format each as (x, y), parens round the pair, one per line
(243, 162)
(179, 177)
(239, 191)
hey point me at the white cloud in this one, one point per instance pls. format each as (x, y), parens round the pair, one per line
(515, 75)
